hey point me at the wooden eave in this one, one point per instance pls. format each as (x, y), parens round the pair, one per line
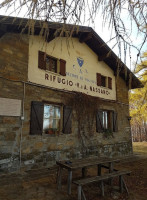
(85, 34)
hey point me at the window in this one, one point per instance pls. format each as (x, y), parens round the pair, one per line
(106, 120)
(51, 64)
(104, 81)
(50, 118)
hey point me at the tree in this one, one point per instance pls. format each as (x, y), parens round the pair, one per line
(120, 15)
(138, 104)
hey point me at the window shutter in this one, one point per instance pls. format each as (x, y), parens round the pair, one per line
(41, 60)
(115, 122)
(67, 119)
(37, 110)
(109, 82)
(98, 78)
(99, 121)
(62, 67)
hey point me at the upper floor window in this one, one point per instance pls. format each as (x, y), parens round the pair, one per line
(51, 64)
(104, 81)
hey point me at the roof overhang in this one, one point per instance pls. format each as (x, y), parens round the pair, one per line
(85, 34)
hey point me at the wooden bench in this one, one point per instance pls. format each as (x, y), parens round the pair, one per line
(85, 181)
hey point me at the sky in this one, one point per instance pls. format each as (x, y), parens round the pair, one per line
(104, 32)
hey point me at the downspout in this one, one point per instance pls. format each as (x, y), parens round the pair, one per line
(21, 128)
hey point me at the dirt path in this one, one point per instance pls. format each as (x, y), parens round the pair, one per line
(41, 184)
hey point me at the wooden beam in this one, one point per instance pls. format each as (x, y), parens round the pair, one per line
(51, 36)
(3, 30)
(84, 37)
(104, 56)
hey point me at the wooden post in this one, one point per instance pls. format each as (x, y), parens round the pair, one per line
(111, 170)
(102, 188)
(69, 181)
(79, 192)
(83, 195)
(59, 178)
(121, 183)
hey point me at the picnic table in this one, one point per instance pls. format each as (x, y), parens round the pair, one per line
(82, 164)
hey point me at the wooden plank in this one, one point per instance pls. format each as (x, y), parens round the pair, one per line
(77, 164)
(99, 178)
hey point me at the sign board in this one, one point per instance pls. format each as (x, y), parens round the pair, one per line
(82, 66)
(10, 107)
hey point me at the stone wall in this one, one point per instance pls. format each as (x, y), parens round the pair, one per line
(19, 148)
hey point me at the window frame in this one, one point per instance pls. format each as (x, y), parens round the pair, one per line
(108, 81)
(105, 81)
(51, 130)
(37, 117)
(60, 64)
(112, 122)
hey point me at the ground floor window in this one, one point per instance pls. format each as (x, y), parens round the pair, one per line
(106, 120)
(50, 118)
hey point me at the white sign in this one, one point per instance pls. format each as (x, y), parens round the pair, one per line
(10, 107)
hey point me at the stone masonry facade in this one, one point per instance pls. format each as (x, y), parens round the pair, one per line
(20, 149)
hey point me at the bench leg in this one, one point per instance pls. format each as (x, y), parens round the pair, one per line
(59, 178)
(125, 186)
(79, 192)
(102, 188)
(83, 195)
(121, 184)
(69, 181)
(110, 171)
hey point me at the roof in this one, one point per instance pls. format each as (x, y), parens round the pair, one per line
(84, 33)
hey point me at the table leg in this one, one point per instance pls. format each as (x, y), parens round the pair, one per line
(99, 170)
(121, 184)
(111, 170)
(59, 178)
(69, 181)
(79, 192)
(102, 188)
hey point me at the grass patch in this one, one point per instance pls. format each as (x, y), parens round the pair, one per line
(140, 147)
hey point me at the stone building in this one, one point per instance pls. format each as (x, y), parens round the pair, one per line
(60, 98)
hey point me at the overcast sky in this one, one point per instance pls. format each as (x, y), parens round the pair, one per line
(104, 33)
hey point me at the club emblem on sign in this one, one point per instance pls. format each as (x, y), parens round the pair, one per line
(80, 61)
